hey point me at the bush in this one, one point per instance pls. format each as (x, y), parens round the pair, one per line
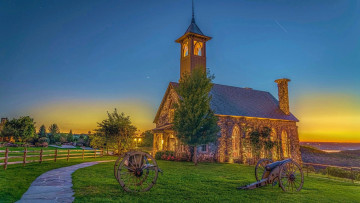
(183, 157)
(163, 155)
(43, 139)
(44, 144)
(11, 145)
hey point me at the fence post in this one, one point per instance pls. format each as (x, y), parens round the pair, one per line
(55, 155)
(102, 152)
(95, 153)
(83, 154)
(41, 154)
(6, 158)
(68, 155)
(24, 160)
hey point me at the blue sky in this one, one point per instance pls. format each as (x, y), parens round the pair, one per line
(101, 51)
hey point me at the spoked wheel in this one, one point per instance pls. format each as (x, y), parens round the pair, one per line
(137, 172)
(260, 168)
(291, 177)
(117, 162)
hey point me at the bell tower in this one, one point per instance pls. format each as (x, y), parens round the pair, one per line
(193, 48)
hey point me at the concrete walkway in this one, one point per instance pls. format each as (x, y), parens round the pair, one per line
(55, 185)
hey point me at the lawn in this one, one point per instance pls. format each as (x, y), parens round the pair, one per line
(34, 152)
(16, 179)
(207, 182)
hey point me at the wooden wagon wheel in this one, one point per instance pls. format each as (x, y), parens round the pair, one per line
(260, 168)
(137, 172)
(291, 177)
(117, 162)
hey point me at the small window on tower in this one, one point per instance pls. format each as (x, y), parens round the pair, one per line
(197, 48)
(185, 49)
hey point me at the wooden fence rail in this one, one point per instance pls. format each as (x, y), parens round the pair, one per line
(55, 154)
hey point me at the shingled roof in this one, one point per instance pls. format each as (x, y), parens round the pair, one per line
(236, 101)
(193, 28)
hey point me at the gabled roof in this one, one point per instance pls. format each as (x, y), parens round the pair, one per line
(236, 101)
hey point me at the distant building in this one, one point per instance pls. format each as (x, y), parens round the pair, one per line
(240, 110)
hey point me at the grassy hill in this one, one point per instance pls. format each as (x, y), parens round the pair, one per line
(343, 158)
(207, 182)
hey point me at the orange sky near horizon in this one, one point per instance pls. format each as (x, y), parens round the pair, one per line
(330, 117)
(82, 116)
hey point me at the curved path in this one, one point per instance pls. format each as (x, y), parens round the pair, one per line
(55, 185)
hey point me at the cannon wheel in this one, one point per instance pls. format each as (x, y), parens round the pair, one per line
(291, 177)
(260, 168)
(136, 172)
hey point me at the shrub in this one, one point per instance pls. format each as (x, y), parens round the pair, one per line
(163, 155)
(183, 157)
(10, 145)
(43, 139)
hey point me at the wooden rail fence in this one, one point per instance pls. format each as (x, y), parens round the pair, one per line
(50, 155)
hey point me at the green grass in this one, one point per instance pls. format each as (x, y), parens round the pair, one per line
(208, 182)
(46, 151)
(16, 179)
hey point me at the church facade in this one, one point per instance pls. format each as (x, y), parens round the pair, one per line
(239, 110)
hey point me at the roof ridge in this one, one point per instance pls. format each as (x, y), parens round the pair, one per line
(248, 88)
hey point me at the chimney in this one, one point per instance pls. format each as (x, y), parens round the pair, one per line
(283, 95)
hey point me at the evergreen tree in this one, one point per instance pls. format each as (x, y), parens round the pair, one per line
(194, 121)
(42, 131)
(54, 132)
(70, 137)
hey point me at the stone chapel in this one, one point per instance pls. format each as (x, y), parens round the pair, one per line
(239, 110)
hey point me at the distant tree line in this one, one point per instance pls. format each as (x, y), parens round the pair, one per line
(23, 130)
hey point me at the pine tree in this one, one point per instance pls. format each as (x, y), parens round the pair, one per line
(42, 131)
(70, 137)
(194, 121)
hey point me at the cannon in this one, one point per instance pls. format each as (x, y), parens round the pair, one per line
(136, 171)
(287, 173)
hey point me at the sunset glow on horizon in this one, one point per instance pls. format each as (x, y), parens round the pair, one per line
(83, 116)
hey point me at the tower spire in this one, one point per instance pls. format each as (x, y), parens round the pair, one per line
(193, 15)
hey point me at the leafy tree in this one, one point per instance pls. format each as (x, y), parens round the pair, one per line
(54, 132)
(116, 129)
(148, 138)
(194, 121)
(42, 131)
(22, 129)
(97, 140)
(70, 137)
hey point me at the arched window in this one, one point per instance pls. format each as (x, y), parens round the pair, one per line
(236, 141)
(274, 152)
(285, 144)
(197, 48)
(185, 49)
